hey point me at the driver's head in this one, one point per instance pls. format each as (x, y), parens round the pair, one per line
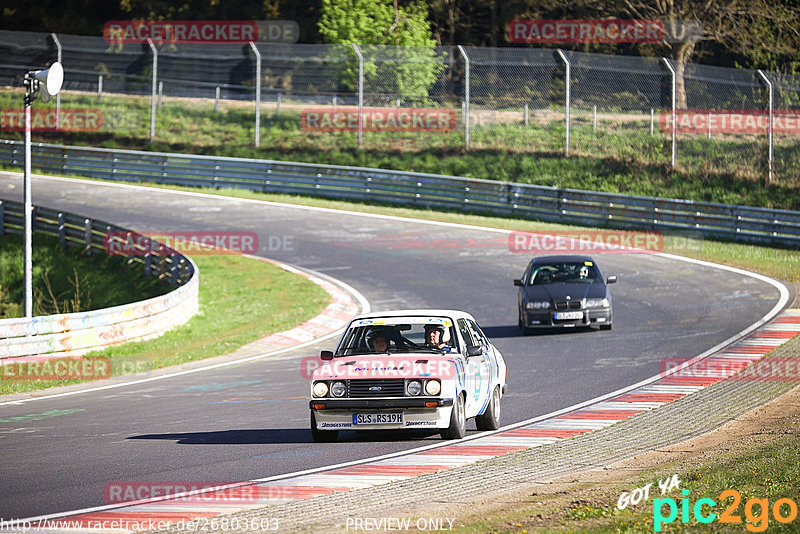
(435, 334)
(584, 272)
(379, 343)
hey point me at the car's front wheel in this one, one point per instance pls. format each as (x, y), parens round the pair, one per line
(522, 328)
(458, 422)
(322, 436)
(490, 419)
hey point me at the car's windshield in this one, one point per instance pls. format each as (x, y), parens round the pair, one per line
(564, 272)
(398, 334)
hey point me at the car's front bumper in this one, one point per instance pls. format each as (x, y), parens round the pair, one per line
(338, 413)
(546, 319)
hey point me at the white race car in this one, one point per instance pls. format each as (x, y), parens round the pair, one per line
(408, 369)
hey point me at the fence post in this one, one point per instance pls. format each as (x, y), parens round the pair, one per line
(258, 92)
(2, 217)
(674, 109)
(526, 113)
(278, 105)
(58, 96)
(652, 119)
(99, 87)
(153, 90)
(216, 99)
(566, 99)
(771, 118)
(466, 96)
(62, 229)
(87, 236)
(160, 92)
(360, 96)
(594, 118)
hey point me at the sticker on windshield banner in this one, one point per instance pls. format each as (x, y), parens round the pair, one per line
(588, 263)
(367, 322)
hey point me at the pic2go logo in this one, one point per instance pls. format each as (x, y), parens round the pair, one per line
(756, 511)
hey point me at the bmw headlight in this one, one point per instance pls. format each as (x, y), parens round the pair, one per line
(320, 389)
(433, 387)
(337, 389)
(537, 305)
(597, 303)
(414, 387)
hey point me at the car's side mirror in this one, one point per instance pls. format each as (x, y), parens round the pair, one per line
(518, 282)
(474, 350)
(326, 355)
(611, 280)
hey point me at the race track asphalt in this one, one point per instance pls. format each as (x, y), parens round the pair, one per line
(197, 427)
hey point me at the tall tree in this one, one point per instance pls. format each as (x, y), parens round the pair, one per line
(740, 25)
(410, 70)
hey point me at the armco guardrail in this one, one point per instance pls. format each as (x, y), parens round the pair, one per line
(571, 206)
(73, 334)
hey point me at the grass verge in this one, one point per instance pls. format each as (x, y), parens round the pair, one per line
(622, 156)
(759, 459)
(67, 281)
(241, 300)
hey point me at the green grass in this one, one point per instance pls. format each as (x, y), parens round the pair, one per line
(621, 157)
(241, 300)
(65, 280)
(765, 471)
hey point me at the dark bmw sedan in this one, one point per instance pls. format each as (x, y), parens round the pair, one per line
(563, 291)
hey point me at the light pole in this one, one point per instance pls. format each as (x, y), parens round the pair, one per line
(52, 79)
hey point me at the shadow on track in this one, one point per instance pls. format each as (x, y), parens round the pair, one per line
(279, 435)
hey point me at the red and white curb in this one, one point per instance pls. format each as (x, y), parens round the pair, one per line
(725, 363)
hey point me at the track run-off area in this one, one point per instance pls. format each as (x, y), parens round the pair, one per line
(250, 420)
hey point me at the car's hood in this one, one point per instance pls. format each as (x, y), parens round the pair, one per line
(381, 366)
(560, 291)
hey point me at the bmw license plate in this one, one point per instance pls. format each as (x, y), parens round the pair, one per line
(378, 418)
(561, 316)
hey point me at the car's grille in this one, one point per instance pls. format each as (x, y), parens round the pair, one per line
(571, 304)
(376, 388)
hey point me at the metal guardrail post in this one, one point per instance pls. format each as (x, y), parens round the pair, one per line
(99, 87)
(258, 92)
(466, 96)
(87, 236)
(58, 96)
(771, 119)
(674, 109)
(360, 96)
(2, 217)
(154, 89)
(566, 99)
(62, 228)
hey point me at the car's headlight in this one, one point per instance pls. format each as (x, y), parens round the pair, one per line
(320, 389)
(338, 389)
(414, 387)
(537, 305)
(433, 387)
(597, 303)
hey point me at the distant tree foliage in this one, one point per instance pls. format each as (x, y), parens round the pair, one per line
(409, 72)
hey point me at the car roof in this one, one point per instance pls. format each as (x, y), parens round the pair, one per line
(564, 258)
(452, 314)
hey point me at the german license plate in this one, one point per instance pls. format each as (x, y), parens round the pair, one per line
(560, 316)
(378, 418)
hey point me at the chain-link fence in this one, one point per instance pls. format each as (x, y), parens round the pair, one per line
(537, 101)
